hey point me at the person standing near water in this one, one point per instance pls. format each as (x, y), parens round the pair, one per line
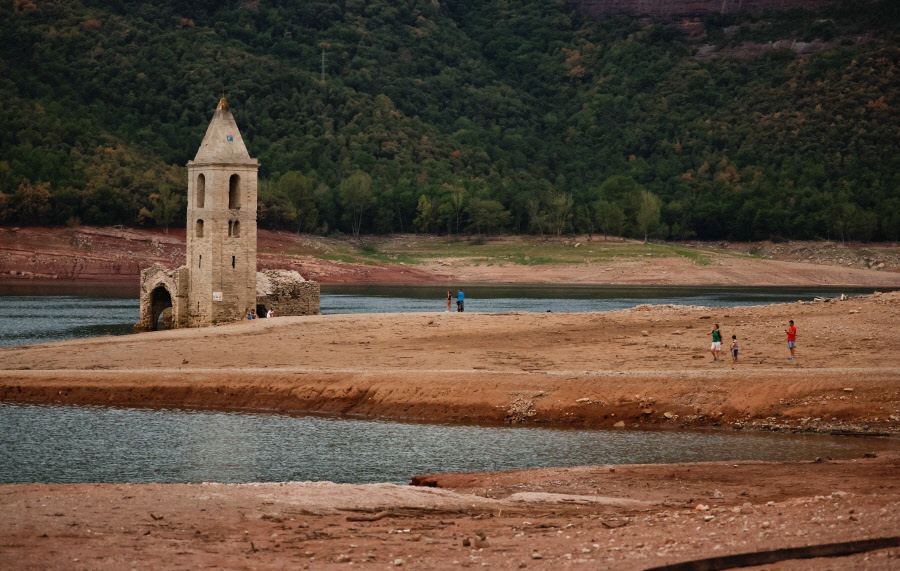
(716, 347)
(791, 338)
(734, 349)
(449, 299)
(460, 301)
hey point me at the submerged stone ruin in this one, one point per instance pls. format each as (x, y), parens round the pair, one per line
(220, 283)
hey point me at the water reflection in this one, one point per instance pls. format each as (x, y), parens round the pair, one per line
(56, 444)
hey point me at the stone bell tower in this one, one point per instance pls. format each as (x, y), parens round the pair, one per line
(221, 225)
(219, 282)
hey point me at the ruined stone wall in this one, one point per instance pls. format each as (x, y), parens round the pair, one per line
(673, 9)
(163, 291)
(304, 300)
(287, 292)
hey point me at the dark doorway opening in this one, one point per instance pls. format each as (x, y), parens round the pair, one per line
(160, 309)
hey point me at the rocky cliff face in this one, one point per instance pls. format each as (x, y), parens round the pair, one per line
(675, 9)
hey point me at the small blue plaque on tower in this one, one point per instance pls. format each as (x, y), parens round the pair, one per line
(229, 138)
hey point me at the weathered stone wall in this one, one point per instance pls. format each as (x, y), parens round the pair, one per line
(163, 291)
(673, 9)
(287, 292)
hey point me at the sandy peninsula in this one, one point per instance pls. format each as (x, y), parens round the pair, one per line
(647, 367)
(643, 367)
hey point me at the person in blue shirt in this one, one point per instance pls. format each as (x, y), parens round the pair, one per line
(460, 301)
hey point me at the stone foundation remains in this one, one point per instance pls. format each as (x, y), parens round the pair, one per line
(287, 292)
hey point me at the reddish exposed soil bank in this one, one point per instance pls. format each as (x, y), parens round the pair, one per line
(645, 367)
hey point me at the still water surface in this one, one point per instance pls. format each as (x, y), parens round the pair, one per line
(39, 313)
(65, 444)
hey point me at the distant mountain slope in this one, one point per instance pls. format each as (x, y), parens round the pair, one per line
(464, 115)
(692, 8)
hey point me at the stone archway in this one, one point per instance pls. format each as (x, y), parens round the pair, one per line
(160, 301)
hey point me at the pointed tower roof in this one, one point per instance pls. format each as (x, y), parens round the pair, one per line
(223, 142)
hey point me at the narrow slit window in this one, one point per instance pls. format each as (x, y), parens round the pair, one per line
(232, 261)
(201, 191)
(200, 261)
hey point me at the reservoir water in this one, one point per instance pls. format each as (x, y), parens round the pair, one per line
(65, 444)
(39, 313)
(61, 444)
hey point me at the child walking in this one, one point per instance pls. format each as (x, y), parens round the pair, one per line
(734, 349)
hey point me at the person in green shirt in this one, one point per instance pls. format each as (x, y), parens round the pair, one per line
(716, 347)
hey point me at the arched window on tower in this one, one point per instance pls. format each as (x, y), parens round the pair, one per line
(199, 229)
(234, 192)
(234, 228)
(201, 191)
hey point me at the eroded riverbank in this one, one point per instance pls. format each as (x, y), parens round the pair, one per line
(644, 367)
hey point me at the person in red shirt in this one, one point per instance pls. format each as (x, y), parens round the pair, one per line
(791, 338)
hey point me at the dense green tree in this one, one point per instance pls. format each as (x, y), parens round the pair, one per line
(427, 213)
(356, 198)
(455, 102)
(487, 216)
(167, 206)
(647, 216)
(300, 192)
(31, 202)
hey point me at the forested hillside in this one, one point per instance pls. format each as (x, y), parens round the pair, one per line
(483, 116)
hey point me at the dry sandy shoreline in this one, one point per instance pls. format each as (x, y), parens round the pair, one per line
(616, 517)
(645, 367)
